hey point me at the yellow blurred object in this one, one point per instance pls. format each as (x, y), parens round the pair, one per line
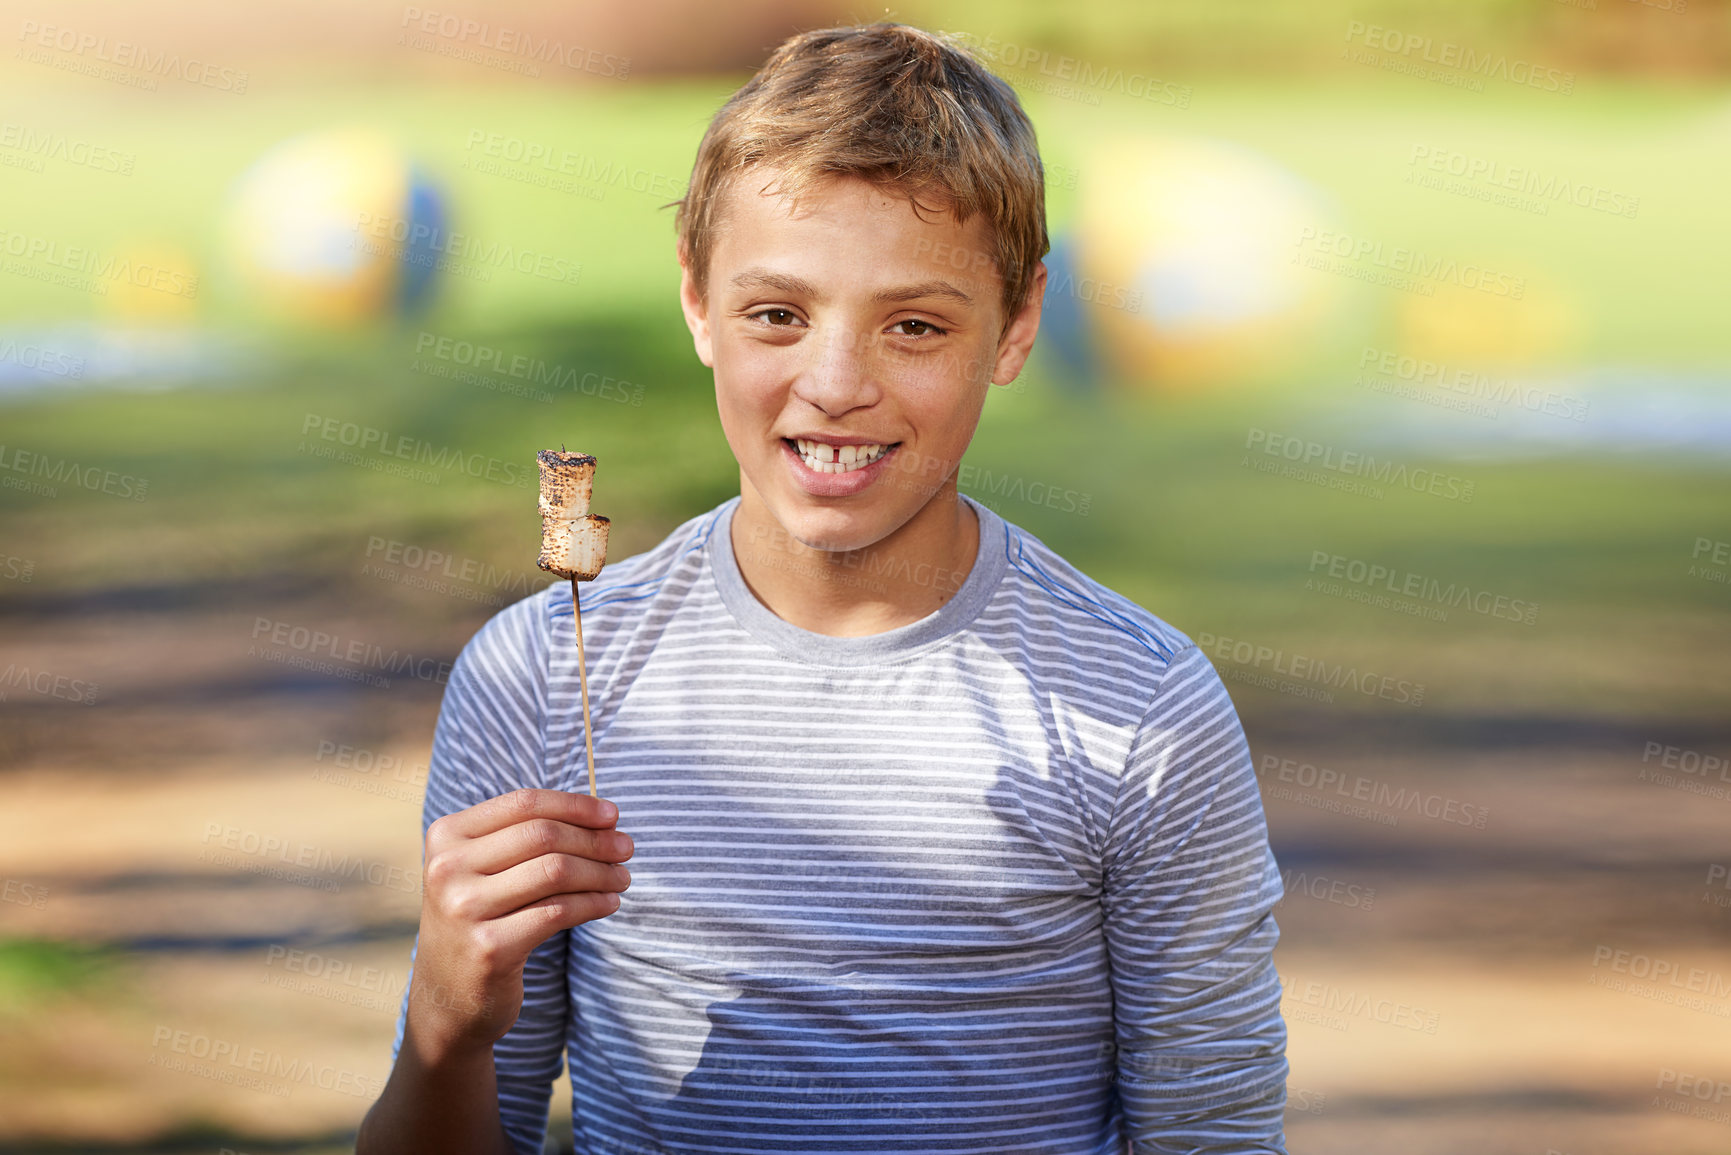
(154, 282)
(1459, 324)
(1194, 240)
(336, 228)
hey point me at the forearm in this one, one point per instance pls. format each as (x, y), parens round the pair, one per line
(1178, 1104)
(1191, 933)
(436, 1104)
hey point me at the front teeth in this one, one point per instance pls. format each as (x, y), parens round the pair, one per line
(820, 457)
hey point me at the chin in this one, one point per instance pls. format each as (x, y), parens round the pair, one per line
(833, 530)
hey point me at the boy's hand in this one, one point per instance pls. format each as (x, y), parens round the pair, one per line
(502, 877)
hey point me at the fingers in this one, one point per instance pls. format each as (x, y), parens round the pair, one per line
(520, 806)
(503, 849)
(484, 897)
(496, 949)
(516, 934)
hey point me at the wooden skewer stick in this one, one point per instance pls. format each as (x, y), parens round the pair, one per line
(573, 545)
(583, 678)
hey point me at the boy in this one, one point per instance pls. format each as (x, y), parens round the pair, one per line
(939, 844)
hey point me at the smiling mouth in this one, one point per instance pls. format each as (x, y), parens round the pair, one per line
(820, 457)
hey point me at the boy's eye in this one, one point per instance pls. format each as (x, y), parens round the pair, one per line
(925, 327)
(770, 313)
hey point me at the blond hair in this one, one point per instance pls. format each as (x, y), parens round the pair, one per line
(908, 110)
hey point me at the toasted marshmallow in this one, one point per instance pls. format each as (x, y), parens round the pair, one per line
(574, 548)
(567, 481)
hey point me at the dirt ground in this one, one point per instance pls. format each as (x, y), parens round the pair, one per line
(1489, 941)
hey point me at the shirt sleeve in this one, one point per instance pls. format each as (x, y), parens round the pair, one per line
(1190, 886)
(488, 742)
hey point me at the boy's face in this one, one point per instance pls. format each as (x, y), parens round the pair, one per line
(854, 323)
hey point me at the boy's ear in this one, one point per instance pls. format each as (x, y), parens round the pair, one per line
(696, 316)
(1018, 339)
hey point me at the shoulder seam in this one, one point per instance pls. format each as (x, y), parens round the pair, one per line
(1058, 590)
(1154, 701)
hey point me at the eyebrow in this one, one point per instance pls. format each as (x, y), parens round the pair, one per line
(759, 278)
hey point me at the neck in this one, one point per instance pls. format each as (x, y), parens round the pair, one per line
(905, 576)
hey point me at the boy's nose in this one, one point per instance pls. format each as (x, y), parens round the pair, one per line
(840, 375)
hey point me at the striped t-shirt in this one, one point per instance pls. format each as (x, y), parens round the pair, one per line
(994, 881)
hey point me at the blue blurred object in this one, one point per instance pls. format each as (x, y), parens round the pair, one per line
(1064, 334)
(427, 228)
(338, 228)
(1183, 269)
(78, 357)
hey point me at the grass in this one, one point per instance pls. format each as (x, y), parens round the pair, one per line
(1175, 520)
(34, 971)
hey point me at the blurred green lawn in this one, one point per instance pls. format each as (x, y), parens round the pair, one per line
(1625, 637)
(1175, 522)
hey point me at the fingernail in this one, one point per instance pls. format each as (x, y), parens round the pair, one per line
(609, 812)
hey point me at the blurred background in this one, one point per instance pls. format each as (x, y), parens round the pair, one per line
(1385, 354)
